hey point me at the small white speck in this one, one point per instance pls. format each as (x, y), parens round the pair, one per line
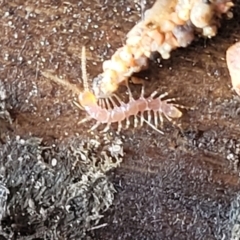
(22, 141)
(6, 56)
(6, 14)
(75, 15)
(32, 14)
(47, 119)
(54, 162)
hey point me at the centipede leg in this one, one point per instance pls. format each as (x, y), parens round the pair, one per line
(175, 123)
(149, 116)
(164, 95)
(153, 94)
(102, 103)
(119, 127)
(142, 114)
(129, 91)
(161, 119)
(108, 104)
(112, 100)
(155, 118)
(106, 128)
(178, 105)
(131, 99)
(95, 126)
(135, 121)
(142, 93)
(84, 120)
(127, 123)
(118, 99)
(142, 119)
(152, 126)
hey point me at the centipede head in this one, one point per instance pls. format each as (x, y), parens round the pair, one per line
(87, 99)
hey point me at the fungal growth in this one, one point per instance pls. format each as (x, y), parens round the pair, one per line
(165, 27)
(233, 63)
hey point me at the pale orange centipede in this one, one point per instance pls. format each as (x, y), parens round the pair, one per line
(110, 111)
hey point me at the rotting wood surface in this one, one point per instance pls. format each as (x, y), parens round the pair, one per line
(172, 186)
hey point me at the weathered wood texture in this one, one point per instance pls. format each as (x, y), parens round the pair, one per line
(181, 185)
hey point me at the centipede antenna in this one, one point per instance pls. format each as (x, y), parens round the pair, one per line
(142, 9)
(84, 69)
(47, 74)
(78, 105)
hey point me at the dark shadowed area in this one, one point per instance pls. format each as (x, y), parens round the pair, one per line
(57, 181)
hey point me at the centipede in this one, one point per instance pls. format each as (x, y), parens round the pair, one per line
(167, 25)
(114, 110)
